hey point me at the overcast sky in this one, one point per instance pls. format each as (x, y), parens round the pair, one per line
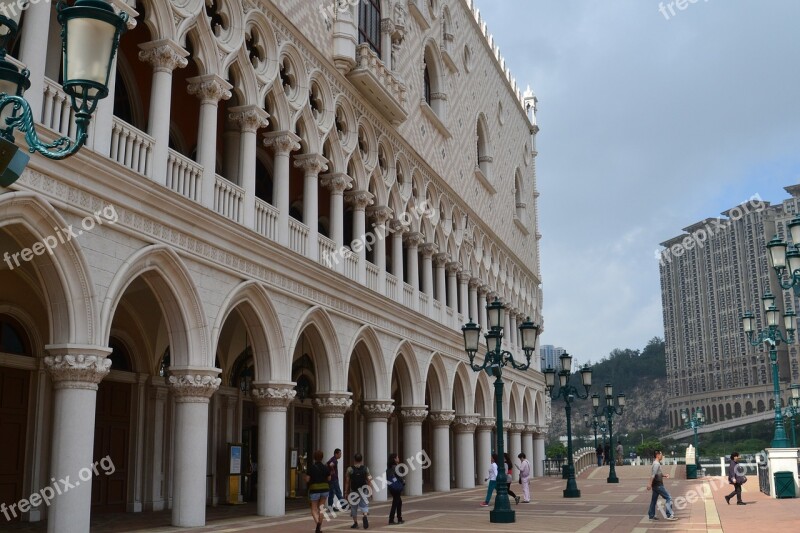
(648, 124)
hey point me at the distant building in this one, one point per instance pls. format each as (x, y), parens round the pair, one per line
(550, 355)
(710, 275)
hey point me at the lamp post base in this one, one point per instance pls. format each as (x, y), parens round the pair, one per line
(502, 516)
(572, 493)
(614, 479)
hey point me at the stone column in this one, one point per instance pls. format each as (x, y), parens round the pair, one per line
(527, 443)
(453, 268)
(377, 413)
(506, 430)
(336, 184)
(192, 389)
(507, 333)
(512, 331)
(283, 143)
(312, 165)
(75, 372)
(250, 119)
(360, 200)
(439, 262)
(210, 89)
(272, 400)
(483, 437)
(440, 430)
(397, 256)
(165, 55)
(412, 417)
(538, 454)
(33, 52)
(463, 294)
(515, 444)
(331, 407)
(464, 427)
(483, 290)
(387, 29)
(428, 249)
(474, 310)
(380, 215)
(155, 489)
(413, 240)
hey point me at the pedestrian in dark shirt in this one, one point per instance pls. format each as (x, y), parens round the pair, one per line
(736, 478)
(336, 490)
(318, 477)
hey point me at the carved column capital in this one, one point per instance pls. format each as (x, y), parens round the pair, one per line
(441, 418)
(193, 385)
(282, 142)
(250, 118)
(333, 404)
(530, 429)
(440, 259)
(507, 425)
(413, 414)
(464, 276)
(466, 423)
(377, 408)
(359, 199)
(453, 267)
(380, 214)
(517, 427)
(210, 89)
(397, 226)
(428, 249)
(475, 283)
(77, 367)
(486, 423)
(484, 290)
(413, 238)
(165, 55)
(337, 182)
(311, 163)
(273, 396)
(387, 26)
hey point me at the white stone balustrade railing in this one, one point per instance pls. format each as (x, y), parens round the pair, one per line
(372, 277)
(351, 266)
(228, 199)
(184, 176)
(366, 58)
(298, 236)
(131, 147)
(57, 109)
(266, 219)
(327, 250)
(408, 295)
(583, 459)
(391, 286)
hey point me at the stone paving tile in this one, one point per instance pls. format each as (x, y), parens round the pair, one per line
(602, 508)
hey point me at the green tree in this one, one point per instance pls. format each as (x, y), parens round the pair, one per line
(556, 450)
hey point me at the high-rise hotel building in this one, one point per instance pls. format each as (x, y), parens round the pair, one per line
(710, 275)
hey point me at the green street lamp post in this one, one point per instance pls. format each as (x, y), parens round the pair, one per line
(793, 410)
(569, 393)
(693, 421)
(773, 336)
(610, 410)
(591, 424)
(493, 363)
(90, 33)
(603, 429)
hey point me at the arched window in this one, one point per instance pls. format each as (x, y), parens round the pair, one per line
(483, 168)
(12, 337)
(369, 24)
(427, 84)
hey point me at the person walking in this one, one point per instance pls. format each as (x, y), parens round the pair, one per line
(317, 478)
(358, 477)
(599, 452)
(510, 477)
(656, 484)
(524, 477)
(336, 490)
(607, 454)
(396, 485)
(492, 479)
(618, 451)
(736, 480)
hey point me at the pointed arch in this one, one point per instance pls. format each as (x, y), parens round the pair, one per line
(437, 383)
(408, 374)
(463, 396)
(64, 272)
(330, 373)
(367, 350)
(166, 274)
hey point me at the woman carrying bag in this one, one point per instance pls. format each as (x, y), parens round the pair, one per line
(396, 485)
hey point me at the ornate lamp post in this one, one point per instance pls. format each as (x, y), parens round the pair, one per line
(773, 335)
(603, 429)
(693, 421)
(569, 393)
(793, 410)
(90, 33)
(493, 363)
(593, 424)
(610, 410)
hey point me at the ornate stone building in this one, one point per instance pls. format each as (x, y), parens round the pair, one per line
(284, 214)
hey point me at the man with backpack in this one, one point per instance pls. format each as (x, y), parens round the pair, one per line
(357, 486)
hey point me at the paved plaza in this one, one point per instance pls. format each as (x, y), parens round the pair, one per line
(603, 507)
